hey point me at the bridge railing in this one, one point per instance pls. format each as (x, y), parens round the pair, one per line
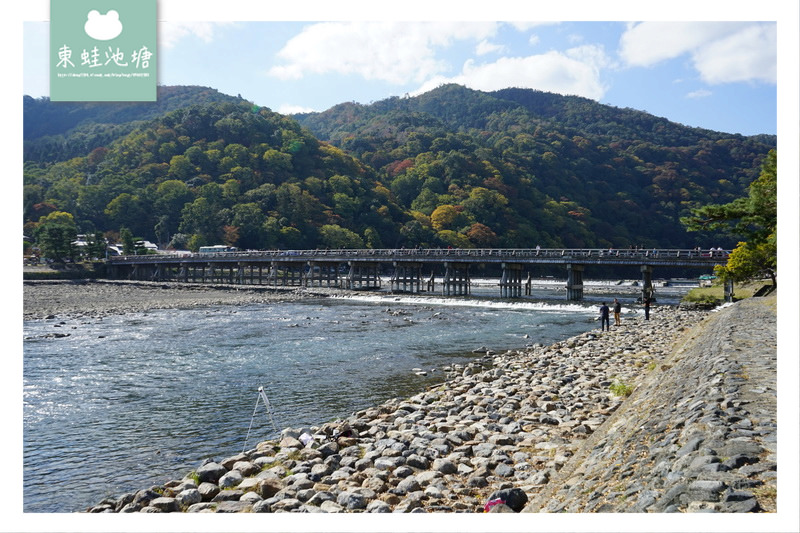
(439, 253)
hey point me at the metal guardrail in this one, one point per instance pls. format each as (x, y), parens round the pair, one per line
(609, 256)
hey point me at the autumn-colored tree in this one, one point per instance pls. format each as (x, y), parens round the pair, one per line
(230, 235)
(482, 236)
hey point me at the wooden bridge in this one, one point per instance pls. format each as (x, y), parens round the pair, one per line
(361, 269)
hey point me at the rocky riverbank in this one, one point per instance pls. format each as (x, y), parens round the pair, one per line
(504, 434)
(96, 298)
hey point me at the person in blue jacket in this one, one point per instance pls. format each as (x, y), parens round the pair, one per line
(604, 321)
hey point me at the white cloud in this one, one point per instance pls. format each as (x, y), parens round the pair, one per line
(574, 38)
(485, 47)
(520, 25)
(289, 109)
(750, 54)
(722, 52)
(576, 72)
(700, 93)
(394, 52)
(169, 33)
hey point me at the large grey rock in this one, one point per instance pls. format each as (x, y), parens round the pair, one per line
(445, 466)
(269, 487)
(189, 497)
(228, 495)
(208, 491)
(407, 485)
(246, 468)
(377, 506)
(166, 505)
(352, 500)
(210, 472)
(389, 463)
(144, 497)
(331, 507)
(286, 505)
(204, 507)
(234, 507)
(705, 490)
(321, 497)
(230, 479)
(262, 506)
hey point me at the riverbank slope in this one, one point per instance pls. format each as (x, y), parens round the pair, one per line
(698, 434)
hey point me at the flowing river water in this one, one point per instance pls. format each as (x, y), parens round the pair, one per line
(125, 402)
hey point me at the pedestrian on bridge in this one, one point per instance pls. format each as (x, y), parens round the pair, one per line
(604, 317)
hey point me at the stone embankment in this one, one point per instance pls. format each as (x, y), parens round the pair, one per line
(534, 429)
(698, 434)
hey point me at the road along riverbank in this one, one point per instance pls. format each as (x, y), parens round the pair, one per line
(499, 435)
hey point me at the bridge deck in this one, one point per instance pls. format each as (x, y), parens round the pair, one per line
(589, 256)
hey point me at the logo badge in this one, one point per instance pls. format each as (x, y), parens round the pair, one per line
(103, 50)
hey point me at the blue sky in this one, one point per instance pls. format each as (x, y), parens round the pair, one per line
(716, 75)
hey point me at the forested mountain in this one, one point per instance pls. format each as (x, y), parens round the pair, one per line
(532, 167)
(452, 167)
(57, 131)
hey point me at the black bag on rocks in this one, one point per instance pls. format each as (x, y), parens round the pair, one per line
(514, 498)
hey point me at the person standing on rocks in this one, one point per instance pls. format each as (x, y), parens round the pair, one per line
(647, 307)
(617, 311)
(604, 317)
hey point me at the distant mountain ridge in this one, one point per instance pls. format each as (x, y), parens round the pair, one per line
(451, 167)
(93, 124)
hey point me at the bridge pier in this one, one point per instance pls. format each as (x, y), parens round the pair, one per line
(728, 283)
(511, 280)
(456, 280)
(430, 285)
(574, 283)
(363, 276)
(320, 273)
(289, 274)
(407, 277)
(647, 282)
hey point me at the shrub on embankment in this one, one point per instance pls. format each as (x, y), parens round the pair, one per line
(715, 294)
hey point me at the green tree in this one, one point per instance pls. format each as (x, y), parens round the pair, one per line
(755, 217)
(128, 210)
(335, 236)
(750, 261)
(96, 245)
(201, 217)
(128, 241)
(249, 220)
(56, 234)
(453, 238)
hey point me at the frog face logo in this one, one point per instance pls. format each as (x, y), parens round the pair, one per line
(103, 27)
